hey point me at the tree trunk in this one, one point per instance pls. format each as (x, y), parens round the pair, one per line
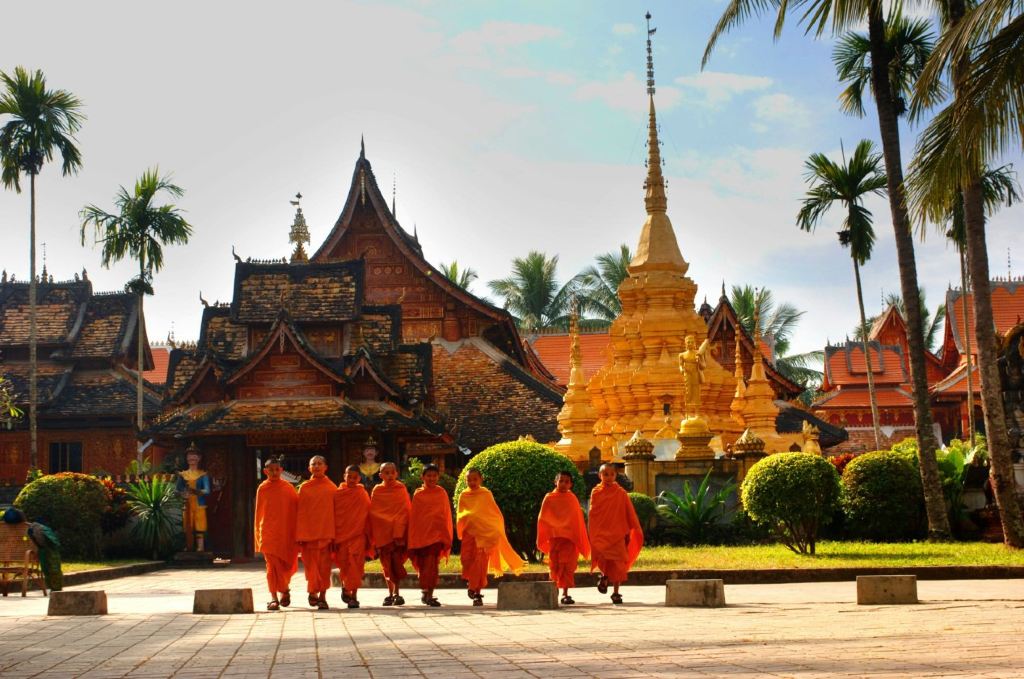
(33, 387)
(867, 358)
(888, 123)
(1001, 471)
(967, 346)
(141, 358)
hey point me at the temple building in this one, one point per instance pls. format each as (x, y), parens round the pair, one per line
(669, 397)
(87, 348)
(845, 401)
(363, 345)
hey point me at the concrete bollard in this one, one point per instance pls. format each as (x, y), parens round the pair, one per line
(77, 603)
(527, 596)
(703, 593)
(222, 601)
(886, 589)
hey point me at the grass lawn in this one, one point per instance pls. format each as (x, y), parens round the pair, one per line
(830, 555)
(77, 566)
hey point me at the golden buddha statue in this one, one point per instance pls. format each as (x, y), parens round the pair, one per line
(692, 363)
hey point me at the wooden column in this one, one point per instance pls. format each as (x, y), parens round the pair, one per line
(335, 456)
(240, 486)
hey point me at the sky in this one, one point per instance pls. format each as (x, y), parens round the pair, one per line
(503, 128)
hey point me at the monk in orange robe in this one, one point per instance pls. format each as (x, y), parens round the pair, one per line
(389, 528)
(274, 532)
(430, 531)
(481, 528)
(314, 530)
(562, 534)
(615, 534)
(352, 540)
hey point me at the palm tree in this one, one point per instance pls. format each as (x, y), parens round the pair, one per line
(984, 50)
(462, 277)
(599, 283)
(845, 15)
(779, 323)
(533, 295)
(848, 184)
(40, 122)
(139, 230)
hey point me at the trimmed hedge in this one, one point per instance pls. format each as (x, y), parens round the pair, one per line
(646, 510)
(794, 494)
(520, 474)
(882, 497)
(73, 506)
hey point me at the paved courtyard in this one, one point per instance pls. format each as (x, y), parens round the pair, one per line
(961, 628)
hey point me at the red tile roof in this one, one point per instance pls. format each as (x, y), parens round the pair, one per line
(553, 351)
(158, 375)
(886, 397)
(845, 364)
(956, 382)
(1007, 309)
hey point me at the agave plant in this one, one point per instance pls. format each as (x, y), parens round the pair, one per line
(696, 513)
(157, 506)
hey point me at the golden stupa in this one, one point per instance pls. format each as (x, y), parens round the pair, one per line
(640, 389)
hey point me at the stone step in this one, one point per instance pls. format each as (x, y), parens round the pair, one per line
(699, 593)
(72, 602)
(222, 601)
(886, 589)
(527, 596)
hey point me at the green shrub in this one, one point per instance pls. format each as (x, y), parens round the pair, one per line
(413, 478)
(794, 494)
(646, 510)
(72, 505)
(520, 473)
(882, 497)
(157, 506)
(696, 514)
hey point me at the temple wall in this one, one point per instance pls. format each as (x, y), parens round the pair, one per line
(108, 450)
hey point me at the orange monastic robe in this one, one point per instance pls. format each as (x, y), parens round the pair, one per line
(615, 534)
(389, 522)
(562, 535)
(352, 534)
(314, 531)
(274, 532)
(481, 528)
(430, 533)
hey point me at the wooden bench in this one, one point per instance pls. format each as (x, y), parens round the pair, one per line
(18, 559)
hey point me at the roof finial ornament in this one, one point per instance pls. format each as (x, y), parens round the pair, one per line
(415, 233)
(44, 262)
(723, 290)
(362, 147)
(655, 199)
(299, 233)
(757, 318)
(1009, 263)
(394, 193)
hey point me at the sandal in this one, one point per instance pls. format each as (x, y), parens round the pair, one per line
(322, 605)
(353, 603)
(471, 594)
(602, 584)
(286, 598)
(345, 597)
(312, 599)
(399, 601)
(616, 598)
(389, 601)
(478, 601)
(273, 606)
(433, 602)
(567, 600)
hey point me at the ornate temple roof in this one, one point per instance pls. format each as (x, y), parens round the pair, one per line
(845, 365)
(1007, 311)
(322, 293)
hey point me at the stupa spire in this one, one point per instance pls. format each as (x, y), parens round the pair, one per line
(658, 249)
(299, 233)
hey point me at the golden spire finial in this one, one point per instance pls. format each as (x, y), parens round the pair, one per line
(575, 358)
(299, 233)
(655, 199)
(757, 318)
(658, 249)
(739, 363)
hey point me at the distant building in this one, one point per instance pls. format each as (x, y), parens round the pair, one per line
(87, 348)
(846, 403)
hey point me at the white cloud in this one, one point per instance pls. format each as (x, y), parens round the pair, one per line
(624, 29)
(773, 109)
(717, 88)
(501, 35)
(627, 94)
(551, 77)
